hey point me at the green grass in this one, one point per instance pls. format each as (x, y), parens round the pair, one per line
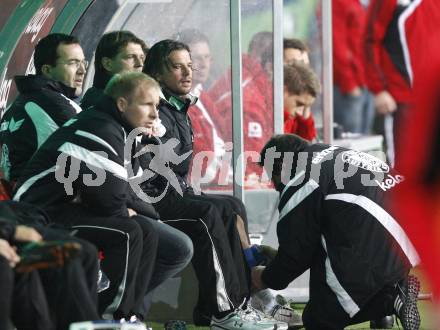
(159, 326)
(425, 308)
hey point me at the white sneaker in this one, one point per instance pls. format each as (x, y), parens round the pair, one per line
(264, 301)
(247, 319)
(288, 315)
(106, 325)
(281, 325)
(276, 307)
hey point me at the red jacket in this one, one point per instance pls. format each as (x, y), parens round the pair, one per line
(384, 53)
(417, 199)
(300, 126)
(207, 138)
(349, 20)
(257, 107)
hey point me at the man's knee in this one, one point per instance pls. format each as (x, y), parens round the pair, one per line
(128, 229)
(184, 248)
(89, 254)
(150, 236)
(238, 206)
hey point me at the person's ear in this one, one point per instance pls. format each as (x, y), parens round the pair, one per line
(121, 103)
(107, 64)
(46, 70)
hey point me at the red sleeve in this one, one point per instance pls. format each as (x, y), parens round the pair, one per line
(357, 23)
(343, 66)
(306, 127)
(221, 88)
(379, 16)
(289, 123)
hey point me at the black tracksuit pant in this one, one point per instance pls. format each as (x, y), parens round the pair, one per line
(70, 290)
(218, 258)
(129, 246)
(22, 300)
(74, 298)
(324, 311)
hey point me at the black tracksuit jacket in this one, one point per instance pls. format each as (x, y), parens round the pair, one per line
(100, 149)
(42, 106)
(336, 205)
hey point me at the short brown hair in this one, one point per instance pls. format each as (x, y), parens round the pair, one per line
(46, 49)
(295, 44)
(157, 60)
(300, 79)
(125, 84)
(112, 43)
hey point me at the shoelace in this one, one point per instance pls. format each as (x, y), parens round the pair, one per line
(261, 315)
(247, 314)
(280, 309)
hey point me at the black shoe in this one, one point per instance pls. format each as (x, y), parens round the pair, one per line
(386, 322)
(405, 304)
(200, 319)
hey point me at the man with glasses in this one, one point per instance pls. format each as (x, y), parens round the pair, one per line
(45, 101)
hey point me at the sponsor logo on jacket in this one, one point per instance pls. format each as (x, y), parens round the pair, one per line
(390, 181)
(365, 161)
(255, 130)
(322, 154)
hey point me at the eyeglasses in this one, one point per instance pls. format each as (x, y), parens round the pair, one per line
(76, 63)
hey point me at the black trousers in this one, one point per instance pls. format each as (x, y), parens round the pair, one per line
(230, 206)
(22, 300)
(74, 298)
(324, 311)
(129, 246)
(70, 290)
(218, 259)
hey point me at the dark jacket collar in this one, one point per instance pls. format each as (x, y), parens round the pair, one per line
(101, 79)
(34, 83)
(91, 96)
(180, 103)
(107, 105)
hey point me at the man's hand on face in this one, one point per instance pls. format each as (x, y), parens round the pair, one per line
(9, 253)
(292, 111)
(306, 112)
(26, 234)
